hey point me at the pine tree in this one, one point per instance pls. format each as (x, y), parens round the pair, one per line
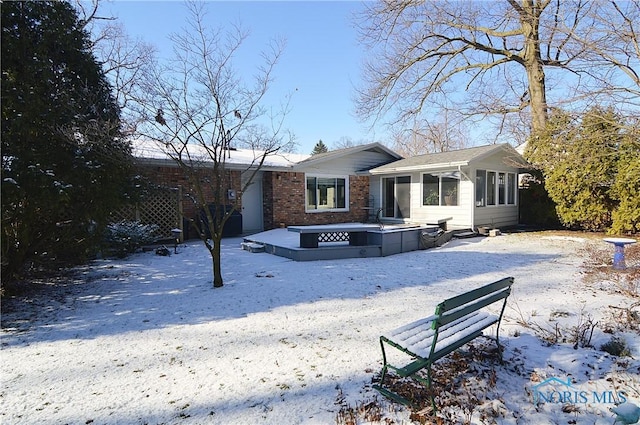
(64, 162)
(320, 147)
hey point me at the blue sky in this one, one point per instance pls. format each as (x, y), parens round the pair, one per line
(322, 59)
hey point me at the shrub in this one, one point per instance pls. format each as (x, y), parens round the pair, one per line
(126, 237)
(616, 346)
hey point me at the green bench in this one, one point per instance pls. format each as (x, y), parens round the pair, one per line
(456, 321)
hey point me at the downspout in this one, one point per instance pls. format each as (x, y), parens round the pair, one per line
(473, 203)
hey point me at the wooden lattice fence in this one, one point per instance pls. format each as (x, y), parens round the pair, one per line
(163, 208)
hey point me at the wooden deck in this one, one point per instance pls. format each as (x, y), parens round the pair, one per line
(378, 243)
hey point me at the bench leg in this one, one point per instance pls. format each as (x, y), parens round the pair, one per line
(381, 387)
(429, 381)
(397, 397)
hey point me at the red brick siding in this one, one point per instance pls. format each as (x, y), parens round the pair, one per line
(173, 177)
(287, 208)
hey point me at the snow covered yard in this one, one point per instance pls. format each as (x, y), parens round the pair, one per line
(147, 340)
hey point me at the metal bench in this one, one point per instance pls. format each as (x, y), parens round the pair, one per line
(456, 321)
(310, 236)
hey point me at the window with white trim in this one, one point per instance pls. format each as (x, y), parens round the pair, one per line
(440, 188)
(326, 193)
(495, 188)
(481, 188)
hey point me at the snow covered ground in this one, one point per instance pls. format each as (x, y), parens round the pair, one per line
(146, 340)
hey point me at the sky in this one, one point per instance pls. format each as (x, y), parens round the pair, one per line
(321, 65)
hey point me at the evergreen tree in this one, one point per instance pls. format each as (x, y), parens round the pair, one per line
(64, 162)
(626, 189)
(590, 170)
(320, 147)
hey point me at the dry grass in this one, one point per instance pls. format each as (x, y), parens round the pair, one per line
(462, 382)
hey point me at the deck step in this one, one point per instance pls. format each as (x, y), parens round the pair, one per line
(463, 235)
(252, 246)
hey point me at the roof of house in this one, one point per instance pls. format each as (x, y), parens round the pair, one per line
(461, 157)
(152, 151)
(328, 156)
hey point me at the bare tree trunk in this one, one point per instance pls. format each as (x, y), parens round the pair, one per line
(216, 259)
(533, 64)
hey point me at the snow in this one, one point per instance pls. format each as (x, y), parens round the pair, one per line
(149, 149)
(147, 340)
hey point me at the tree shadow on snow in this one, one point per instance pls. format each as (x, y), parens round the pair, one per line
(147, 291)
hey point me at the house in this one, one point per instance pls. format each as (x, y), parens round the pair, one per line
(474, 187)
(468, 188)
(288, 189)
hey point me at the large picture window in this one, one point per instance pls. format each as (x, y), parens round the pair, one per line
(440, 188)
(326, 193)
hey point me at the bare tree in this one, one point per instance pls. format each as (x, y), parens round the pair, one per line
(611, 41)
(122, 57)
(440, 135)
(197, 108)
(345, 142)
(493, 58)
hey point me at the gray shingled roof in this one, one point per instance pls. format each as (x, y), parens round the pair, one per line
(458, 157)
(321, 157)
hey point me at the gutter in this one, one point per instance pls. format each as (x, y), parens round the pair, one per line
(422, 167)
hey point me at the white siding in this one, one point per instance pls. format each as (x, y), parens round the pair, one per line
(495, 215)
(466, 214)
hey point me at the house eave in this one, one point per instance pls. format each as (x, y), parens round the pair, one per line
(161, 162)
(424, 167)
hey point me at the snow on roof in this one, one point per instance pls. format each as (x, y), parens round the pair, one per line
(152, 150)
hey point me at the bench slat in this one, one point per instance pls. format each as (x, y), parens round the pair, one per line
(457, 301)
(417, 337)
(470, 307)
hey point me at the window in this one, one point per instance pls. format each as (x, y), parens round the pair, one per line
(481, 187)
(396, 197)
(491, 187)
(501, 188)
(440, 188)
(511, 185)
(495, 188)
(326, 193)
(430, 189)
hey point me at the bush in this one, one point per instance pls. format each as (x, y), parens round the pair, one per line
(126, 237)
(616, 346)
(590, 167)
(626, 189)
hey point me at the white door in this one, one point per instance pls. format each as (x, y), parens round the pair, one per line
(252, 206)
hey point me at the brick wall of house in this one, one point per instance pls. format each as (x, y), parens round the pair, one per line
(173, 177)
(287, 190)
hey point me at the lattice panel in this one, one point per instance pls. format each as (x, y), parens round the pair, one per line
(162, 208)
(125, 213)
(333, 237)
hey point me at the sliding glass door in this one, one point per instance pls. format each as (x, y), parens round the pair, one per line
(396, 197)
